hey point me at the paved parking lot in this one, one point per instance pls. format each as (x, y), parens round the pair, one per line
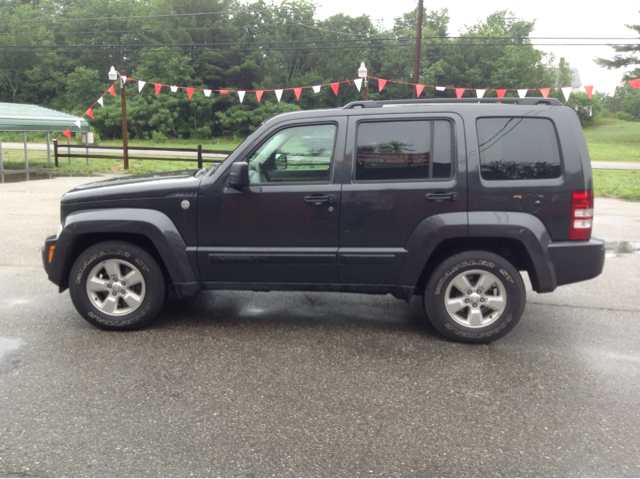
(311, 384)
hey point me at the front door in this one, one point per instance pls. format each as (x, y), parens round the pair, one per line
(283, 228)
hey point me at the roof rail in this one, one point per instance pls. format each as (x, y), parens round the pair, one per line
(517, 101)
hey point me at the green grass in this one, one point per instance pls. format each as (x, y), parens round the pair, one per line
(615, 142)
(624, 185)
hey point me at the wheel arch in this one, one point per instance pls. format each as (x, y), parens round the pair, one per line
(149, 229)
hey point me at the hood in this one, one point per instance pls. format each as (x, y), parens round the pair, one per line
(150, 185)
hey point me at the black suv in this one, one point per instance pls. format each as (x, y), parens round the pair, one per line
(445, 199)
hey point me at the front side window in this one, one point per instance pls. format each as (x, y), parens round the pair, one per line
(404, 150)
(518, 149)
(296, 154)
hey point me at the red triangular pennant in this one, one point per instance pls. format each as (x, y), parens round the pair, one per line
(545, 92)
(158, 87)
(89, 112)
(635, 83)
(381, 84)
(589, 91)
(67, 133)
(419, 89)
(190, 92)
(259, 94)
(460, 92)
(224, 92)
(501, 92)
(335, 87)
(112, 90)
(298, 91)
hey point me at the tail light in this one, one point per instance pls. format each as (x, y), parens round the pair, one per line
(581, 215)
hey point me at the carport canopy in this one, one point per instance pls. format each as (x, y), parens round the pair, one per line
(20, 117)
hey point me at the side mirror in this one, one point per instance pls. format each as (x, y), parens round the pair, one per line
(281, 161)
(239, 176)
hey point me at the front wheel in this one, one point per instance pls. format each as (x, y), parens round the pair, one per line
(475, 297)
(117, 285)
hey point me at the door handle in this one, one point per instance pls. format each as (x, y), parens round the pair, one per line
(442, 196)
(316, 200)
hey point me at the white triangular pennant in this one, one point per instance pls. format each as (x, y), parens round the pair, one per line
(278, 94)
(522, 92)
(358, 83)
(316, 89)
(566, 91)
(77, 122)
(241, 95)
(480, 93)
(141, 85)
(101, 101)
(124, 79)
(440, 88)
(174, 89)
(207, 93)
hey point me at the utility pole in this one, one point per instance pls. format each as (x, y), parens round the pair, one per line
(416, 67)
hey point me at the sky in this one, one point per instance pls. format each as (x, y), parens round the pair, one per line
(552, 19)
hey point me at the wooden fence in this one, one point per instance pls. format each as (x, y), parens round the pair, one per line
(162, 154)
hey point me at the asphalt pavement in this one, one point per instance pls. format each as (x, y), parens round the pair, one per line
(314, 384)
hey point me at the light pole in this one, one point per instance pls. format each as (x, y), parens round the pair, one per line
(114, 75)
(363, 72)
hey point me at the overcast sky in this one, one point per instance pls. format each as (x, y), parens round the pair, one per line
(552, 19)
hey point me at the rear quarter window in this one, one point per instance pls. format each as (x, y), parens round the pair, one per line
(513, 148)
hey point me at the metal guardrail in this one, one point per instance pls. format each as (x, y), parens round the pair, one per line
(200, 156)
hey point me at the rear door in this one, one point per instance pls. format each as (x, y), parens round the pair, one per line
(401, 171)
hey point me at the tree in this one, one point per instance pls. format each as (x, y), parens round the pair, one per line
(627, 57)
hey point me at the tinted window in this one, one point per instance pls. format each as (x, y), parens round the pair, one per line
(403, 150)
(518, 149)
(298, 154)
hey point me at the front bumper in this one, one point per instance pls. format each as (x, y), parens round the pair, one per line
(575, 261)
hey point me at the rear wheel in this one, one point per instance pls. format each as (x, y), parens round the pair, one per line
(475, 296)
(117, 286)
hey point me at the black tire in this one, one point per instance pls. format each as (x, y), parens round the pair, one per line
(491, 304)
(117, 286)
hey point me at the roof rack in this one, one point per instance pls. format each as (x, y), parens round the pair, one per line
(517, 101)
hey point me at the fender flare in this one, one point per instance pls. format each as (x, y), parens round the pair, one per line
(524, 228)
(152, 224)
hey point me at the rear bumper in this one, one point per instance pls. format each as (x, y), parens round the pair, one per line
(575, 261)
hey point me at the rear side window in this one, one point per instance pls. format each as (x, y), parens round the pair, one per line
(518, 149)
(404, 150)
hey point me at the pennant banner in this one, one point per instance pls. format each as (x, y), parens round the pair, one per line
(566, 91)
(298, 91)
(141, 84)
(101, 101)
(460, 92)
(419, 89)
(316, 89)
(335, 87)
(358, 83)
(207, 93)
(522, 92)
(381, 84)
(241, 96)
(259, 94)
(112, 90)
(89, 113)
(173, 88)
(158, 87)
(480, 93)
(545, 92)
(500, 92)
(278, 94)
(190, 92)
(588, 90)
